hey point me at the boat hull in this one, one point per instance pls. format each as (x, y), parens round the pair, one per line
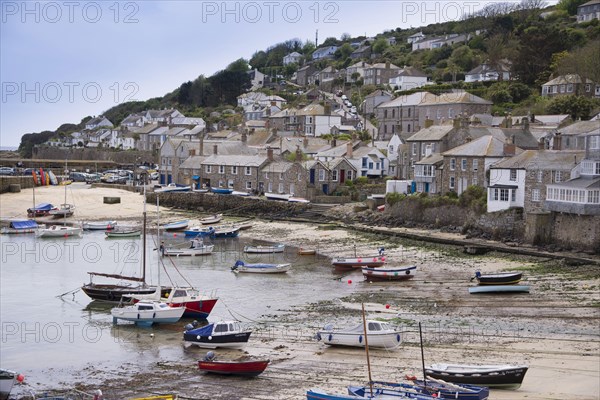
(7, 381)
(233, 340)
(113, 293)
(491, 376)
(126, 234)
(221, 190)
(238, 368)
(358, 262)
(175, 226)
(383, 340)
(55, 231)
(500, 279)
(389, 274)
(263, 268)
(264, 249)
(99, 226)
(167, 315)
(317, 394)
(197, 308)
(197, 251)
(499, 289)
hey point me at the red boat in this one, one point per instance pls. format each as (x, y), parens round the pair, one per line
(239, 368)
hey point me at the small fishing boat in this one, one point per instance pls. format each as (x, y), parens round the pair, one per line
(63, 211)
(500, 376)
(389, 274)
(225, 232)
(197, 248)
(298, 200)
(381, 334)
(318, 394)
(213, 219)
(123, 232)
(176, 226)
(306, 252)
(148, 313)
(218, 190)
(7, 381)
(173, 187)
(278, 196)
(435, 389)
(276, 248)
(501, 278)
(99, 226)
(359, 262)
(196, 304)
(41, 210)
(59, 231)
(243, 367)
(499, 289)
(261, 268)
(238, 193)
(218, 334)
(17, 227)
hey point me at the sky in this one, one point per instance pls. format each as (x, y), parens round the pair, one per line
(61, 61)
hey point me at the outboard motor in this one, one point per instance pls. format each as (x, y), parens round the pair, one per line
(238, 263)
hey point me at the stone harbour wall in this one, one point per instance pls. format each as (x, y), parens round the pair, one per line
(25, 182)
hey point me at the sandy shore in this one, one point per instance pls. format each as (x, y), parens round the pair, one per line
(555, 329)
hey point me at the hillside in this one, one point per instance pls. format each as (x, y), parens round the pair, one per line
(537, 43)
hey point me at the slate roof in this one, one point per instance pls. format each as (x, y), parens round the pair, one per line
(431, 134)
(542, 159)
(485, 146)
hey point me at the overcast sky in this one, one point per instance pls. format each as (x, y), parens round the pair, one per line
(64, 60)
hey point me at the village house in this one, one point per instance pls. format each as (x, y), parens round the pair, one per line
(417, 37)
(292, 58)
(427, 175)
(98, 122)
(142, 135)
(374, 99)
(304, 73)
(188, 122)
(571, 84)
(356, 68)
(282, 177)
(380, 73)
(448, 105)
(237, 172)
(394, 148)
(467, 165)
(486, 72)
(327, 75)
(527, 175)
(134, 121)
(367, 161)
(324, 52)
(574, 136)
(327, 176)
(285, 120)
(361, 52)
(408, 78)
(400, 115)
(588, 11)
(438, 41)
(317, 120)
(162, 116)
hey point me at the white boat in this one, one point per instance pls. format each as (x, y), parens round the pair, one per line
(123, 232)
(278, 196)
(63, 211)
(298, 200)
(99, 225)
(213, 219)
(499, 289)
(59, 231)
(276, 248)
(358, 262)
(148, 313)
(197, 248)
(389, 274)
(176, 226)
(196, 304)
(173, 187)
(238, 193)
(261, 268)
(229, 334)
(380, 334)
(7, 381)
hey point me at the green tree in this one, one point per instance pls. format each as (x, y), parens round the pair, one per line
(575, 106)
(463, 57)
(380, 45)
(537, 44)
(570, 6)
(343, 52)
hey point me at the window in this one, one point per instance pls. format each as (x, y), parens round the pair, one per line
(209, 169)
(452, 164)
(169, 161)
(535, 195)
(221, 169)
(570, 88)
(248, 170)
(230, 184)
(451, 182)
(562, 88)
(321, 175)
(495, 194)
(513, 195)
(391, 149)
(544, 90)
(513, 175)
(557, 176)
(475, 180)
(370, 164)
(364, 162)
(463, 164)
(594, 196)
(540, 176)
(408, 128)
(234, 169)
(414, 149)
(349, 175)
(384, 113)
(504, 194)
(270, 187)
(588, 87)
(409, 113)
(450, 113)
(597, 168)
(299, 176)
(423, 147)
(594, 143)
(249, 185)
(475, 164)
(280, 188)
(334, 175)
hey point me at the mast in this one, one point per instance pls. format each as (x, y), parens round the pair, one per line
(422, 357)
(367, 348)
(158, 238)
(144, 240)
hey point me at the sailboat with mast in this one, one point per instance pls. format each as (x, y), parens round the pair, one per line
(114, 292)
(196, 304)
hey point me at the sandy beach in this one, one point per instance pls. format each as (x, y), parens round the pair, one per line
(555, 329)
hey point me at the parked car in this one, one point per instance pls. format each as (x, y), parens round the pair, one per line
(154, 176)
(339, 93)
(344, 97)
(353, 109)
(78, 176)
(7, 171)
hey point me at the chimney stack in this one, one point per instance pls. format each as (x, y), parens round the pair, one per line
(334, 142)
(541, 144)
(215, 149)
(387, 65)
(305, 142)
(270, 154)
(428, 122)
(456, 122)
(192, 152)
(349, 149)
(244, 136)
(557, 145)
(509, 148)
(327, 109)
(299, 154)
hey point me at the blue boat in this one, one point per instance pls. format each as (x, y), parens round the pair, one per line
(25, 226)
(436, 389)
(40, 210)
(221, 190)
(318, 394)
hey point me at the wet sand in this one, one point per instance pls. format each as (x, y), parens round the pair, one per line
(555, 329)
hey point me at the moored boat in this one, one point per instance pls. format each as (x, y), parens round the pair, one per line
(123, 232)
(495, 376)
(358, 262)
(173, 187)
(499, 289)
(389, 274)
(197, 305)
(276, 248)
(40, 210)
(197, 248)
(59, 231)
(176, 226)
(17, 227)
(243, 367)
(435, 389)
(99, 225)
(292, 199)
(148, 313)
(227, 334)
(7, 381)
(213, 219)
(306, 252)
(380, 334)
(219, 190)
(500, 278)
(278, 196)
(261, 268)
(63, 211)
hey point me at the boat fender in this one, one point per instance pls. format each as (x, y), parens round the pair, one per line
(408, 272)
(318, 337)
(153, 315)
(330, 337)
(360, 339)
(138, 316)
(198, 337)
(210, 338)
(398, 338)
(188, 327)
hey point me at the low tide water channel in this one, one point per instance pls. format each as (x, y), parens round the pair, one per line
(49, 337)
